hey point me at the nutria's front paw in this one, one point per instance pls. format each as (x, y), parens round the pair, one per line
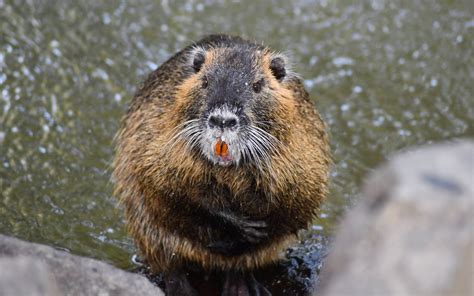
(242, 238)
(253, 231)
(249, 231)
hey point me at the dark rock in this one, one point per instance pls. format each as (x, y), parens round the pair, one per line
(33, 269)
(412, 233)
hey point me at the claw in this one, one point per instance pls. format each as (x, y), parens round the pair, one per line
(253, 230)
(248, 232)
(253, 235)
(253, 223)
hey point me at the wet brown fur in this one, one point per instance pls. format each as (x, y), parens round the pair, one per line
(160, 188)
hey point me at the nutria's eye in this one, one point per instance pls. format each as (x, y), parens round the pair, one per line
(277, 66)
(257, 86)
(198, 61)
(204, 82)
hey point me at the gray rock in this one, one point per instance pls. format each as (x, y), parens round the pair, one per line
(26, 276)
(33, 269)
(412, 233)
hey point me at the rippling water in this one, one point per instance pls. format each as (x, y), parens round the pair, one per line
(384, 74)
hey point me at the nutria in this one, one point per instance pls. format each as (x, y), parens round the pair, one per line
(220, 160)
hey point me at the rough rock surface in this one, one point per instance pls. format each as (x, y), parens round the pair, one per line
(33, 269)
(26, 276)
(412, 233)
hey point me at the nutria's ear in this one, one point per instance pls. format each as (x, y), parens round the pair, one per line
(277, 66)
(197, 58)
(198, 61)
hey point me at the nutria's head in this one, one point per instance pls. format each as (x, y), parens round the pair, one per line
(235, 105)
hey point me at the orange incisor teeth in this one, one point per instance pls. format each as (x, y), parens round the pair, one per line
(221, 148)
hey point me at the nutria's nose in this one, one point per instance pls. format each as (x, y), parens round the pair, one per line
(222, 121)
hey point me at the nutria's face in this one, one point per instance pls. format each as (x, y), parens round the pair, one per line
(232, 105)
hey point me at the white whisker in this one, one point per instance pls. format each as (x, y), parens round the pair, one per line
(189, 132)
(259, 146)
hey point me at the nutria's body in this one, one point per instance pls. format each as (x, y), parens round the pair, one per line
(186, 204)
